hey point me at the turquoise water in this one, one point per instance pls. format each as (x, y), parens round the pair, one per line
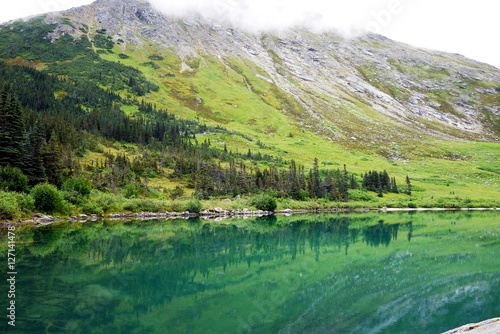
(424, 272)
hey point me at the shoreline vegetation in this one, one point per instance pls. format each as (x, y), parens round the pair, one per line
(96, 144)
(216, 214)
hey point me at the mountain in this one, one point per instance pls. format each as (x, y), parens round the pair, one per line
(369, 88)
(367, 101)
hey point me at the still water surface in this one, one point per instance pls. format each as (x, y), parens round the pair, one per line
(423, 272)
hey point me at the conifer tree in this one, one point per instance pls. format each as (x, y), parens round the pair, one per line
(316, 180)
(294, 181)
(408, 185)
(353, 183)
(385, 181)
(394, 187)
(11, 129)
(33, 152)
(345, 180)
(52, 160)
(327, 185)
(310, 184)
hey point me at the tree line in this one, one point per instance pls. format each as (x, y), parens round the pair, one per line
(47, 123)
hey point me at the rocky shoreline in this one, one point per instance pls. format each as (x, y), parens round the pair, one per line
(490, 326)
(216, 214)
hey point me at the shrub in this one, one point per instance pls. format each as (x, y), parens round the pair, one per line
(91, 207)
(301, 195)
(412, 205)
(9, 208)
(108, 202)
(265, 203)
(360, 196)
(76, 190)
(155, 57)
(47, 198)
(152, 205)
(100, 203)
(193, 206)
(177, 192)
(175, 206)
(132, 205)
(13, 179)
(25, 202)
(80, 184)
(131, 191)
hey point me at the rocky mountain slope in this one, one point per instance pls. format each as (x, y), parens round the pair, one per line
(335, 81)
(361, 92)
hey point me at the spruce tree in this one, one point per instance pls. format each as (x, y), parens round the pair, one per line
(385, 181)
(11, 129)
(52, 160)
(315, 179)
(345, 181)
(408, 185)
(353, 183)
(33, 150)
(394, 187)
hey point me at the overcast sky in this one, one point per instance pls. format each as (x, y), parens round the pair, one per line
(467, 27)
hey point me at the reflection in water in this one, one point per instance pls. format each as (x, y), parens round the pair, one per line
(113, 277)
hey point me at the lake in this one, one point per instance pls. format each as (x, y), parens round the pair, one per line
(398, 272)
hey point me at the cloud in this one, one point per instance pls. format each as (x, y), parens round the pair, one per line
(456, 26)
(260, 15)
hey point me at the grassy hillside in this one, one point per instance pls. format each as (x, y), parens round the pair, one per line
(232, 104)
(232, 95)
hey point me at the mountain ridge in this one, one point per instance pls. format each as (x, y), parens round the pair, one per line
(370, 67)
(358, 92)
(118, 78)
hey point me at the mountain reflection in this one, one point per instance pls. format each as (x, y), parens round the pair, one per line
(168, 263)
(327, 273)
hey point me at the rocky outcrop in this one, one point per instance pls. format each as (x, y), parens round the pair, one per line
(491, 326)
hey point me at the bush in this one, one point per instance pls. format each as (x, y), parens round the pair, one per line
(149, 205)
(80, 185)
(108, 202)
(132, 205)
(193, 206)
(100, 203)
(155, 57)
(412, 205)
(9, 207)
(175, 206)
(177, 192)
(360, 196)
(265, 203)
(47, 198)
(25, 202)
(91, 207)
(302, 195)
(13, 179)
(131, 191)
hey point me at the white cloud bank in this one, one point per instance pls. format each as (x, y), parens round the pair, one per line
(459, 26)
(258, 15)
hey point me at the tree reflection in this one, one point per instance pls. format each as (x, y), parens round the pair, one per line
(154, 262)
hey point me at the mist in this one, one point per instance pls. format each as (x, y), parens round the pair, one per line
(348, 17)
(456, 26)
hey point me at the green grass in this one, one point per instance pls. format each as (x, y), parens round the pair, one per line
(232, 95)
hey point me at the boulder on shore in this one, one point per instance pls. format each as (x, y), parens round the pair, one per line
(491, 326)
